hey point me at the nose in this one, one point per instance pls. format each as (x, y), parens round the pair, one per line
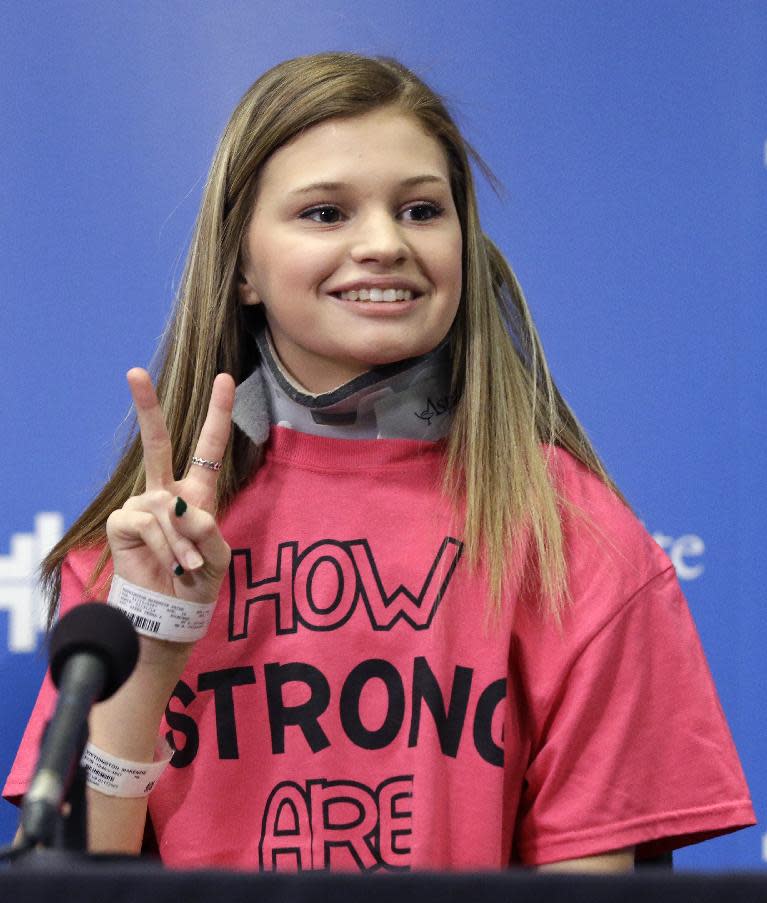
(378, 238)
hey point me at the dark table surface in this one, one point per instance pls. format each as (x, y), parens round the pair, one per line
(48, 878)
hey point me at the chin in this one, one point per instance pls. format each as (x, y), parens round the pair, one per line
(391, 352)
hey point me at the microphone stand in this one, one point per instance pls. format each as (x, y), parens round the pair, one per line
(68, 841)
(68, 848)
(71, 834)
(93, 650)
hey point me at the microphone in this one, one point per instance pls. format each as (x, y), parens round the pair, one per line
(93, 651)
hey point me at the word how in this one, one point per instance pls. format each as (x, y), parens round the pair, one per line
(320, 587)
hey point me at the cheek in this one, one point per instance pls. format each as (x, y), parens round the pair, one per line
(451, 249)
(454, 268)
(441, 256)
(295, 265)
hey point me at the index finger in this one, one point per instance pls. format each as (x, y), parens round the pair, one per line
(158, 454)
(213, 440)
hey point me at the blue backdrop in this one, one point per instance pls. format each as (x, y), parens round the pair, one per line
(632, 141)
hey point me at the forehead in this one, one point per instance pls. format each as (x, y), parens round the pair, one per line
(382, 144)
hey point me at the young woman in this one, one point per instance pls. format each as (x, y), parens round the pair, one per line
(439, 637)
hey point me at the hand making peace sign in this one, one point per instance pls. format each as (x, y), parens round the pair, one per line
(166, 539)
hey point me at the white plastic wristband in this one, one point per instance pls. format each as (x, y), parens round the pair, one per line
(119, 777)
(160, 616)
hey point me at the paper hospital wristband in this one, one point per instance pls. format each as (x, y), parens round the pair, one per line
(119, 777)
(157, 615)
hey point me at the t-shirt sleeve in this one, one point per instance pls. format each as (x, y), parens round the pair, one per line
(633, 748)
(74, 578)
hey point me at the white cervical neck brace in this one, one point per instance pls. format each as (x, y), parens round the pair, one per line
(405, 400)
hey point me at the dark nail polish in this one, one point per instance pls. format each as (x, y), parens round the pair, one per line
(180, 506)
(178, 570)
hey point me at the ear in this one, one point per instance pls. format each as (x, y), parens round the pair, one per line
(246, 292)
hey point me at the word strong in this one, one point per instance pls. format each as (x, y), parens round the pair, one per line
(320, 587)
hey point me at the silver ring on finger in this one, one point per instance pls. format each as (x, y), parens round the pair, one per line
(208, 465)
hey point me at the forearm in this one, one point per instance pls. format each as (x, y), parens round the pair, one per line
(127, 726)
(165, 540)
(605, 863)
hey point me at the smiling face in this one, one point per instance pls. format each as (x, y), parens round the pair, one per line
(354, 247)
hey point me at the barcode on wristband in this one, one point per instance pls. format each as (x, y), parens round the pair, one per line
(143, 623)
(157, 615)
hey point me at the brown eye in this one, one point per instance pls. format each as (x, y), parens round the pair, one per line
(325, 214)
(422, 212)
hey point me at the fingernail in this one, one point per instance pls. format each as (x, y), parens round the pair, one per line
(178, 570)
(180, 506)
(193, 560)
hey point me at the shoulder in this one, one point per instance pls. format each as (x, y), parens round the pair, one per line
(614, 566)
(604, 538)
(79, 581)
(624, 600)
(581, 489)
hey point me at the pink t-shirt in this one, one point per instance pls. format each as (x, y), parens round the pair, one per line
(352, 705)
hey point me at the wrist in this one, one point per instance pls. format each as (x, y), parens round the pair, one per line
(124, 778)
(128, 724)
(164, 658)
(159, 615)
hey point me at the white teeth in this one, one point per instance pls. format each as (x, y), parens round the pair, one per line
(377, 294)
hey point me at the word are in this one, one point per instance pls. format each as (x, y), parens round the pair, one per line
(320, 587)
(337, 824)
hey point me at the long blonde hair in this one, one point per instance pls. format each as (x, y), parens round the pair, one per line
(508, 411)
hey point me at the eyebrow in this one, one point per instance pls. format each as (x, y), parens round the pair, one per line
(338, 186)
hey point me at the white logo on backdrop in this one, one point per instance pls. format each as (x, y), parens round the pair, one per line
(685, 552)
(19, 594)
